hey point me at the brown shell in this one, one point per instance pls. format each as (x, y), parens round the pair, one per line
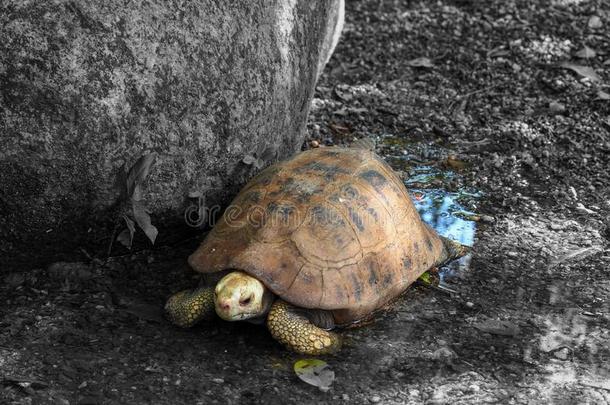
(331, 228)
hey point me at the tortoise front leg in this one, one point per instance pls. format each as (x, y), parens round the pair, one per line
(188, 307)
(295, 331)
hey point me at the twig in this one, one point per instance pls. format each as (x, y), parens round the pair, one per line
(579, 254)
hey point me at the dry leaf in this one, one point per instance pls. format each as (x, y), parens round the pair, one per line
(315, 372)
(420, 62)
(586, 53)
(602, 95)
(584, 71)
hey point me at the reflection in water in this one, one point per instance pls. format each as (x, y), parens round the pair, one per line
(439, 208)
(442, 211)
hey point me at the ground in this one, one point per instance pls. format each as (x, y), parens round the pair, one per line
(473, 88)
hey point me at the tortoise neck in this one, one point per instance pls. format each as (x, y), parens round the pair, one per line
(267, 301)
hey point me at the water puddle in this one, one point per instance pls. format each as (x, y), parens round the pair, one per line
(445, 211)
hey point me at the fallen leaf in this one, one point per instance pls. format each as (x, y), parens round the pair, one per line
(339, 129)
(455, 163)
(315, 372)
(586, 53)
(421, 62)
(602, 95)
(496, 327)
(584, 71)
(594, 22)
(429, 279)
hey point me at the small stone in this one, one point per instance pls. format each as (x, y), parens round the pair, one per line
(218, 380)
(345, 397)
(512, 254)
(556, 107)
(595, 22)
(562, 354)
(474, 388)
(470, 304)
(375, 399)
(487, 219)
(314, 144)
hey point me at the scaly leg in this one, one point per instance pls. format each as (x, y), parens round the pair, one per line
(295, 331)
(188, 307)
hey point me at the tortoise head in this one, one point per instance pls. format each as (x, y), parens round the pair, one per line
(239, 296)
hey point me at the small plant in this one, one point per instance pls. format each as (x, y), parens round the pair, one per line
(260, 157)
(131, 208)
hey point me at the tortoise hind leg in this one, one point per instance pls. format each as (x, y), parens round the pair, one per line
(188, 307)
(295, 331)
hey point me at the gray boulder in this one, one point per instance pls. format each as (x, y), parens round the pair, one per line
(215, 89)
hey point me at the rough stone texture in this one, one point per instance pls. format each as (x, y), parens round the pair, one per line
(87, 86)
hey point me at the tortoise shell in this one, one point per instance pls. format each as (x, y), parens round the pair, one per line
(331, 229)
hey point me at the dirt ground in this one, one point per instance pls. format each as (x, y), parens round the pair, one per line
(472, 87)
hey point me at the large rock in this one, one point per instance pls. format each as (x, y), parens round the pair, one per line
(88, 86)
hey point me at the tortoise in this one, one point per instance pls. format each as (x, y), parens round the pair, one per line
(322, 240)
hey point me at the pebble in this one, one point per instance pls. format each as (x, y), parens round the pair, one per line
(218, 380)
(470, 304)
(375, 399)
(487, 219)
(345, 397)
(562, 354)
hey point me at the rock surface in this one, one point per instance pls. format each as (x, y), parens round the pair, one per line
(88, 86)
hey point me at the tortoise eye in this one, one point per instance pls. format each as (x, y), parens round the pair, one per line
(245, 301)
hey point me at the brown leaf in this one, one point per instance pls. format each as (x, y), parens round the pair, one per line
(584, 71)
(421, 62)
